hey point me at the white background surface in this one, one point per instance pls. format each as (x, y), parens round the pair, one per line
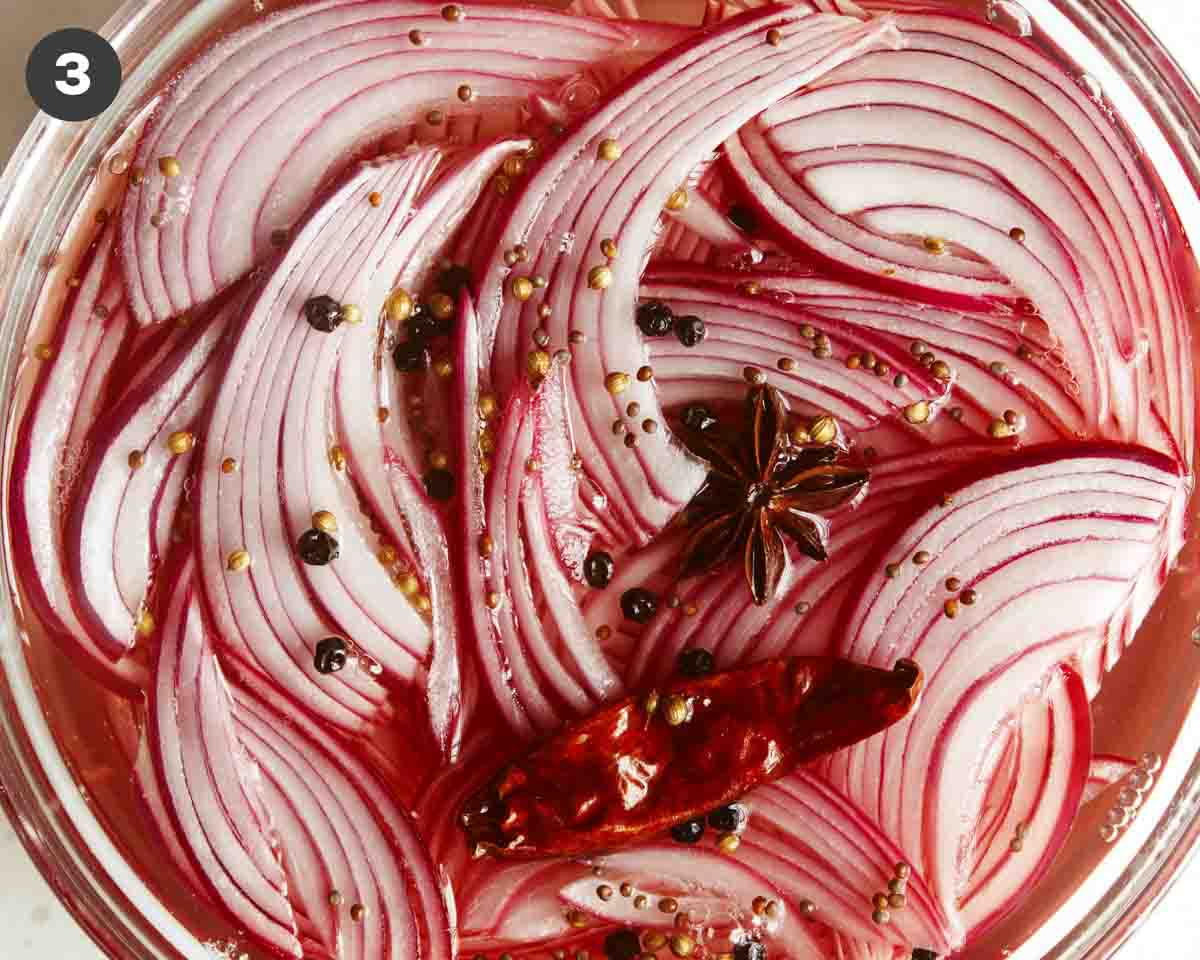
(34, 926)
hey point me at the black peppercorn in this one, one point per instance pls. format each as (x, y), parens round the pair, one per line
(598, 569)
(622, 945)
(690, 330)
(411, 356)
(421, 324)
(690, 831)
(638, 604)
(317, 548)
(730, 818)
(323, 313)
(920, 953)
(696, 662)
(439, 484)
(696, 416)
(654, 318)
(331, 655)
(743, 218)
(749, 950)
(454, 279)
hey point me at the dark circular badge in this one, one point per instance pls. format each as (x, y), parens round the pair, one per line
(73, 74)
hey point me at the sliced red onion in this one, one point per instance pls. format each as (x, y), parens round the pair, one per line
(341, 831)
(1105, 770)
(262, 119)
(273, 415)
(386, 459)
(1032, 143)
(49, 453)
(1040, 792)
(665, 120)
(1052, 543)
(113, 557)
(209, 784)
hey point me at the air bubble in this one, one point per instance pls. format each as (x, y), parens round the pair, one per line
(1108, 833)
(566, 243)
(580, 95)
(1010, 17)
(1091, 86)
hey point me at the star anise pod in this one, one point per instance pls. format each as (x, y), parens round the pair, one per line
(761, 487)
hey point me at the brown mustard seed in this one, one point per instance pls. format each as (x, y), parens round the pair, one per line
(683, 920)
(854, 361)
(678, 200)
(999, 430)
(897, 884)
(441, 305)
(386, 555)
(399, 306)
(879, 901)
(407, 584)
(492, 600)
(608, 247)
(417, 38)
(513, 166)
(774, 37)
(375, 198)
(675, 709)
(968, 597)
(891, 571)
(1017, 234)
(600, 277)
(645, 373)
(633, 409)
(754, 376)
(603, 632)
(228, 465)
(609, 149)
(729, 842)
(486, 545)
(808, 331)
(238, 561)
(631, 440)
(324, 520)
(941, 370)
(668, 904)
(881, 917)
(650, 426)
(759, 905)
(465, 94)
(453, 13)
(538, 363)
(522, 288)
(337, 457)
(641, 902)
(917, 412)
(382, 414)
(604, 891)
(1012, 418)
(438, 460)
(951, 608)
(619, 428)
(897, 901)
(900, 379)
(181, 442)
(903, 870)
(786, 364)
(774, 910)
(358, 913)
(626, 889)
(934, 245)
(921, 557)
(616, 383)
(953, 583)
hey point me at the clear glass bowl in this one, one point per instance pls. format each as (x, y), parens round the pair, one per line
(101, 864)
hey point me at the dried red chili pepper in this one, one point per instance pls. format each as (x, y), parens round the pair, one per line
(641, 765)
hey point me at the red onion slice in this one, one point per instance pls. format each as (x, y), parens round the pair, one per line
(1053, 543)
(1041, 792)
(1105, 770)
(959, 91)
(273, 415)
(49, 452)
(209, 783)
(340, 830)
(261, 120)
(666, 120)
(113, 555)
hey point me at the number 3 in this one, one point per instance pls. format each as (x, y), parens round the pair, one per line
(78, 82)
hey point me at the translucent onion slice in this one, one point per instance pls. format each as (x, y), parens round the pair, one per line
(1053, 543)
(273, 415)
(49, 453)
(666, 120)
(260, 121)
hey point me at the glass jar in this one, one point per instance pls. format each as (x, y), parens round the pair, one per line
(1095, 894)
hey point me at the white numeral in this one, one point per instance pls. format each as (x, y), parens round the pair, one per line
(77, 82)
